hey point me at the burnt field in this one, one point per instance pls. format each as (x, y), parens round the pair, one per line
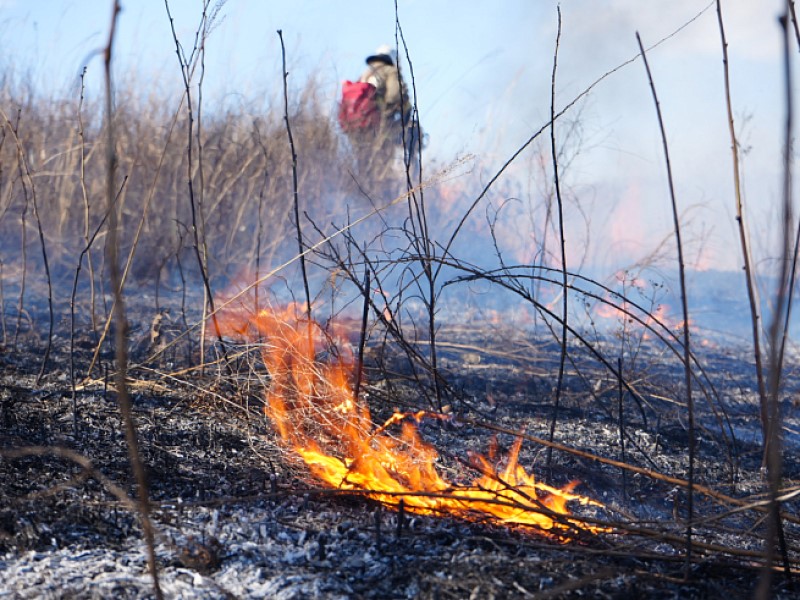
(237, 514)
(243, 355)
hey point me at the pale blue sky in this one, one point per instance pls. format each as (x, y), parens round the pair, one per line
(483, 79)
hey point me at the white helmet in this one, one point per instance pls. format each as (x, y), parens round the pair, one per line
(384, 53)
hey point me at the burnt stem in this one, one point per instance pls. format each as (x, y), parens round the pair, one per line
(752, 290)
(687, 354)
(27, 183)
(84, 253)
(187, 65)
(562, 239)
(295, 193)
(120, 321)
(362, 336)
(774, 442)
(621, 407)
(419, 234)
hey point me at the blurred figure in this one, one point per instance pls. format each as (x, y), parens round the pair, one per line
(376, 114)
(391, 92)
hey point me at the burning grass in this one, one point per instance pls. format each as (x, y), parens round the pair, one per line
(316, 414)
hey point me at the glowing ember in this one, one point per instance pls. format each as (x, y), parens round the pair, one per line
(316, 414)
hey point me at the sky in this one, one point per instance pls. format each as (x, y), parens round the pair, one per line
(483, 72)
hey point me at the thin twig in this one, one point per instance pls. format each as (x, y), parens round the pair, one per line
(752, 290)
(796, 252)
(420, 238)
(4, 338)
(362, 339)
(86, 205)
(201, 253)
(795, 28)
(762, 507)
(84, 252)
(562, 239)
(687, 353)
(295, 193)
(774, 440)
(460, 225)
(121, 333)
(621, 409)
(25, 173)
(136, 239)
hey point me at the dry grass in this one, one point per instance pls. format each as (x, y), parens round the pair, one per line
(242, 177)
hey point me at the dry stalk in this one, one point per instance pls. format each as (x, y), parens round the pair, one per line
(23, 233)
(280, 267)
(775, 535)
(752, 290)
(563, 245)
(25, 174)
(687, 369)
(86, 205)
(503, 281)
(796, 251)
(621, 409)
(383, 313)
(84, 253)
(543, 128)
(418, 233)
(295, 194)
(3, 303)
(650, 473)
(793, 14)
(2, 292)
(121, 333)
(511, 277)
(187, 66)
(411, 138)
(362, 338)
(136, 239)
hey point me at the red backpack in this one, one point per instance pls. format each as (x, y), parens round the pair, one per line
(358, 109)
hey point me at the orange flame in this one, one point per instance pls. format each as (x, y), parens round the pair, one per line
(314, 411)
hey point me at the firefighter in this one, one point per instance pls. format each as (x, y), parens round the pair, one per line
(392, 94)
(377, 116)
(396, 125)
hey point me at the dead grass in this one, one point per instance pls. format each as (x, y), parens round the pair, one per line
(242, 176)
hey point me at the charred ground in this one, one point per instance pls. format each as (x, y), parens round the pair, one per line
(238, 516)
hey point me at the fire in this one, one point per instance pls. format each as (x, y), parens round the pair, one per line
(659, 318)
(316, 414)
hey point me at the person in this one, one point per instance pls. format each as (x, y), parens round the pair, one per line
(395, 109)
(392, 94)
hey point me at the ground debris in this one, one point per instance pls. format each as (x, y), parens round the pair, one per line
(237, 517)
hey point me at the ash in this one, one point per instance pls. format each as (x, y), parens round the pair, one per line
(237, 517)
